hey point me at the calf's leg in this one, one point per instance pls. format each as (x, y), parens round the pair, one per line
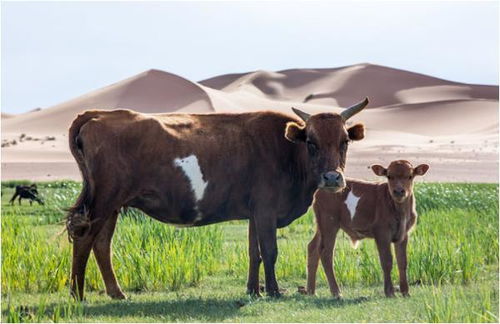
(312, 263)
(402, 265)
(102, 252)
(385, 256)
(253, 287)
(327, 247)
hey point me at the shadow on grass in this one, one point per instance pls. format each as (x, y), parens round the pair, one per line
(183, 309)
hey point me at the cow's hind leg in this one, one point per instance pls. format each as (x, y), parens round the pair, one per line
(102, 252)
(83, 240)
(253, 287)
(81, 252)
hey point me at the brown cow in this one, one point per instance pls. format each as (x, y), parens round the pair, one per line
(194, 170)
(383, 211)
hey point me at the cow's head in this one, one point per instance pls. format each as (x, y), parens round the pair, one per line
(400, 175)
(326, 138)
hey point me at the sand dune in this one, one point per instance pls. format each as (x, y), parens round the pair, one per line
(339, 87)
(413, 116)
(150, 92)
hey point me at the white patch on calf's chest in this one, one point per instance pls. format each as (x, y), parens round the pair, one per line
(352, 202)
(192, 170)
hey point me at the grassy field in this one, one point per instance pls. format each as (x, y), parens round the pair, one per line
(200, 274)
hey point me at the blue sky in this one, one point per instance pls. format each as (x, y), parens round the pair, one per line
(52, 52)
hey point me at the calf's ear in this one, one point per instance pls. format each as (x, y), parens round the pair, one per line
(356, 132)
(295, 133)
(421, 169)
(379, 170)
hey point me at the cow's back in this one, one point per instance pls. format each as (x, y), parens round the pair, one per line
(190, 169)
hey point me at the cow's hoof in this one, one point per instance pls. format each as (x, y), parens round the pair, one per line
(274, 294)
(302, 290)
(117, 295)
(405, 294)
(254, 293)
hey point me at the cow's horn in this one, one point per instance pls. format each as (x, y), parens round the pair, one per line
(353, 110)
(303, 115)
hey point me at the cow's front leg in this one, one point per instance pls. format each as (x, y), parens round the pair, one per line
(266, 233)
(253, 287)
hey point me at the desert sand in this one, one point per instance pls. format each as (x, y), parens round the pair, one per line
(452, 126)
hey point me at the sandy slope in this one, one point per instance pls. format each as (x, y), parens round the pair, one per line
(451, 125)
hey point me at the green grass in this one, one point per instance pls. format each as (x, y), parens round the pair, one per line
(199, 274)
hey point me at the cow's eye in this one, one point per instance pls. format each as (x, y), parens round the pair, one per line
(389, 177)
(311, 147)
(343, 146)
(410, 177)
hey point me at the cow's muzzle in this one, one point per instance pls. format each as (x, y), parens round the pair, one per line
(332, 180)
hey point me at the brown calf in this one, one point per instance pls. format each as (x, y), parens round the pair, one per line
(383, 211)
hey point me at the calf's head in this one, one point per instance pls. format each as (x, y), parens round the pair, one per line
(400, 175)
(326, 138)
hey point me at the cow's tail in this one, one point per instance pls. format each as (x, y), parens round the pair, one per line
(78, 219)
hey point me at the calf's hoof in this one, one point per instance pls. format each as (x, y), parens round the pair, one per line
(302, 290)
(405, 294)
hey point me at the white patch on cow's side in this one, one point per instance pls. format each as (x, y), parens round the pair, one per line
(193, 172)
(351, 203)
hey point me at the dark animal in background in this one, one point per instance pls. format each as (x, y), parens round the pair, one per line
(383, 211)
(195, 170)
(26, 192)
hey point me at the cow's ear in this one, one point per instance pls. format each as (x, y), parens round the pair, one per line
(356, 132)
(421, 169)
(379, 170)
(295, 133)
